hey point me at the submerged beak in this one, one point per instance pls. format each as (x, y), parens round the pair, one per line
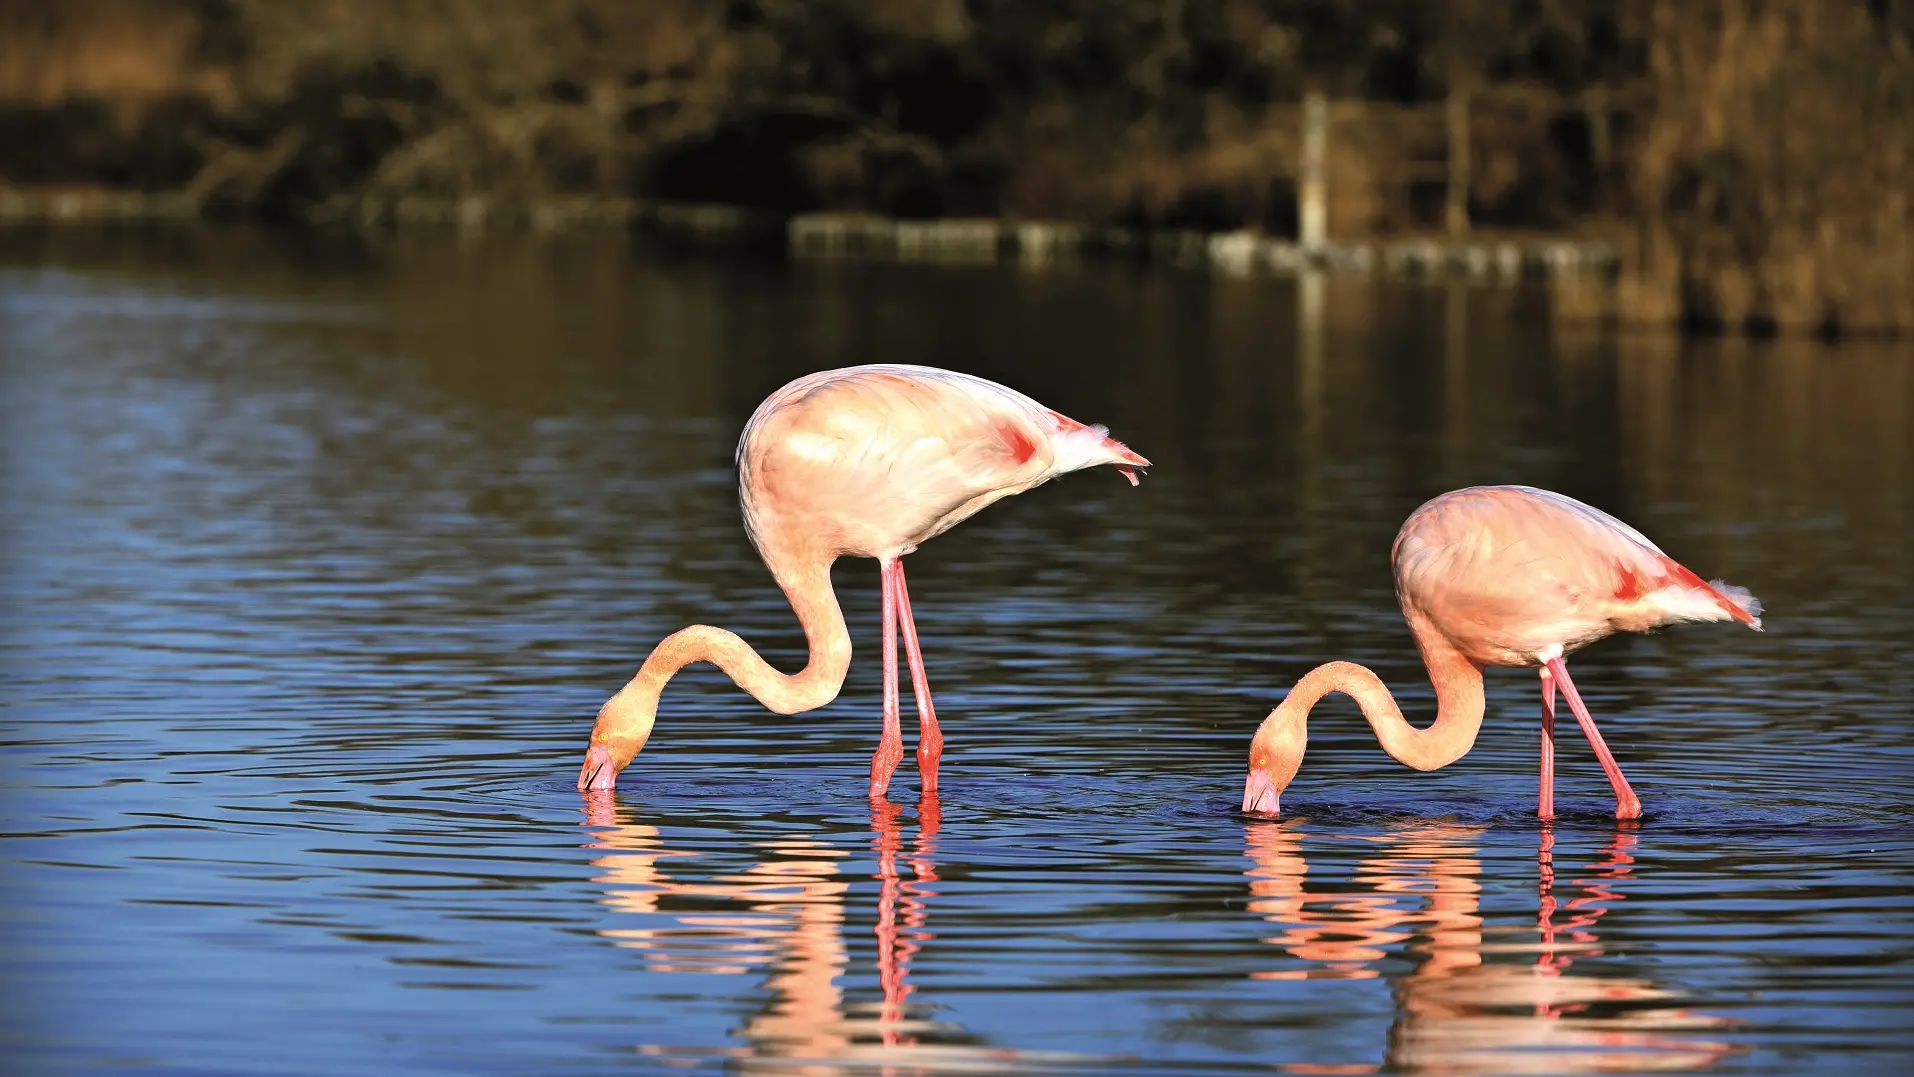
(598, 771)
(1259, 793)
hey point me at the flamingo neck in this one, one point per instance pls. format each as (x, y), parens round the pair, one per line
(625, 721)
(1459, 705)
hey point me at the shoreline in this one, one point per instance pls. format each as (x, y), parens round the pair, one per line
(831, 235)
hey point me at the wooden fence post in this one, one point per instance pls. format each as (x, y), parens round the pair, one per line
(1457, 215)
(1312, 198)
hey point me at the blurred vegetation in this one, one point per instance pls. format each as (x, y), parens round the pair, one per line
(1753, 155)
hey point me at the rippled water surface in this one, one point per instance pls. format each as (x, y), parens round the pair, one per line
(320, 558)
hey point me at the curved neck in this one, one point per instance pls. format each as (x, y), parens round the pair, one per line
(1459, 704)
(624, 723)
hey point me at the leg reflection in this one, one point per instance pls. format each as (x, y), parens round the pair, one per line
(1466, 1007)
(1597, 894)
(896, 945)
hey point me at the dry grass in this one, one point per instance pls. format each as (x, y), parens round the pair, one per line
(1773, 177)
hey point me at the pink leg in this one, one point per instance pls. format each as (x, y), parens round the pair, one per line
(930, 739)
(1627, 804)
(1545, 804)
(890, 747)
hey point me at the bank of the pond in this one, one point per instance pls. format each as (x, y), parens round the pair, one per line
(1238, 252)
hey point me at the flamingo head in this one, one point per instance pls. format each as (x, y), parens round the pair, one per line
(600, 770)
(623, 726)
(1275, 754)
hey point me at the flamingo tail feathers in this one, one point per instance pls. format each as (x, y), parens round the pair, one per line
(1739, 602)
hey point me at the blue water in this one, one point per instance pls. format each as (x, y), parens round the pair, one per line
(320, 557)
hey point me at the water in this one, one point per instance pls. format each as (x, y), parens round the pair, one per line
(320, 558)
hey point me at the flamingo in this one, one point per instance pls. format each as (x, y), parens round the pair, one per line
(1500, 576)
(869, 461)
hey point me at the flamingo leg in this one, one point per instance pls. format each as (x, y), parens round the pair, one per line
(1545, 803)
(930, 739)
(890, 746)
(1627, 804)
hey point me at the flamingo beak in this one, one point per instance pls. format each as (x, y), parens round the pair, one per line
(599, 772)
(1128, 461)
(1259, 793)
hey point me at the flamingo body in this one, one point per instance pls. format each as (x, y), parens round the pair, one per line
(1512, 575)
(872, 461)
(869, 461)
(1501, 576)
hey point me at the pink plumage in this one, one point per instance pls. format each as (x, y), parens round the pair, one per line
(869, 461)
(1510, 574)
(1501, 576)
(873, 460)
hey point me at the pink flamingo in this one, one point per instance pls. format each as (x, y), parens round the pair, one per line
(1500, 576)
(869, 461)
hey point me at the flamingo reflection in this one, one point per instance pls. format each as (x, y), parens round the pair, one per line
(1458, 1011)
(783, 917)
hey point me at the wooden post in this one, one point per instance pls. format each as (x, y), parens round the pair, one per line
(1458, 207)
(1312, 197)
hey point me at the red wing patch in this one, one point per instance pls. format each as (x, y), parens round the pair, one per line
(1632, 586)
(1018, 443)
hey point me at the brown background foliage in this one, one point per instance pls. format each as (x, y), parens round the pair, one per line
(1753, 155)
